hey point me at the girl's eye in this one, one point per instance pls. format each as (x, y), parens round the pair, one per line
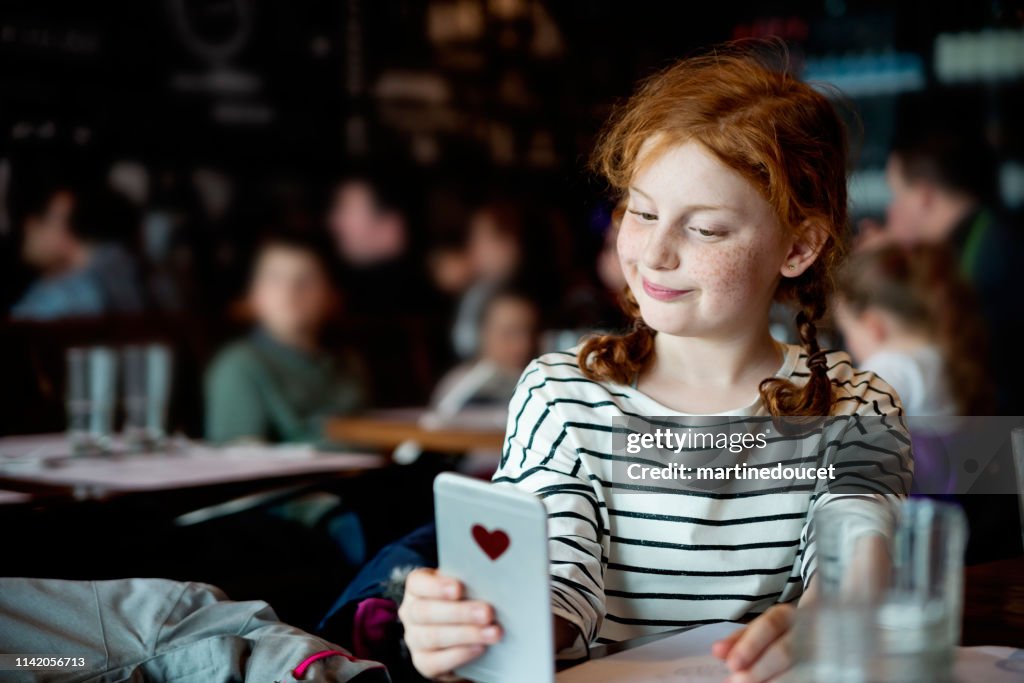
(705, 232)
(644, 216)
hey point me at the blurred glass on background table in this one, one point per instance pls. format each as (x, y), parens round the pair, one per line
(91, 395)
(147, 388)
(1017, 443)
(890, 594)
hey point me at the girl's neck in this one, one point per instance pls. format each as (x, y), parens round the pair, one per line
(722, 363)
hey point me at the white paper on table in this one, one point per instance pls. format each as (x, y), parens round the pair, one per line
(682, 658)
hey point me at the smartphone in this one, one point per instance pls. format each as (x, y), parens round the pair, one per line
(494, 539)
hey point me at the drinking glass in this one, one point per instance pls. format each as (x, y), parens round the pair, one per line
(91, 388)
(891, 592)
(147, 379)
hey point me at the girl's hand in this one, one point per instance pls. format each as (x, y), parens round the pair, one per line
(442, 630)
(762, 649)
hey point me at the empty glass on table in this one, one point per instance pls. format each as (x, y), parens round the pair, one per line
(91, 398)
(147, 382)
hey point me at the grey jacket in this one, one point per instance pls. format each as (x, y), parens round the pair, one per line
(142, 630)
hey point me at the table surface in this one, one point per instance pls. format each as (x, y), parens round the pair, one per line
(14, 497)
(993, 610)
(472, 429)
(994, 603)
(43, 462)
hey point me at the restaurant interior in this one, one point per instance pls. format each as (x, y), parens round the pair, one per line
(267, 269)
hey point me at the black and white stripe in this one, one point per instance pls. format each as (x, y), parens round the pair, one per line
(633, 559)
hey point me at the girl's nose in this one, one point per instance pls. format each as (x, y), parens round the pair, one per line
(660, 252)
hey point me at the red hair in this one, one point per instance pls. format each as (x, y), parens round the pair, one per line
(787, 140)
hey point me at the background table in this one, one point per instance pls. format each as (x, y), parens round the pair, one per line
(195, 513)
(14, 497)
(387, 429)
(42, 464)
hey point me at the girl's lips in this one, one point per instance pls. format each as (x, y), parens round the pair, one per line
(663, 293)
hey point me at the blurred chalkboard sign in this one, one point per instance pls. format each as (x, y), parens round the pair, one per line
(231, 81)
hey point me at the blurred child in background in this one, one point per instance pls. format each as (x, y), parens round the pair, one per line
(508, 332)
(279, 383)
(494, 248)
(908, 316)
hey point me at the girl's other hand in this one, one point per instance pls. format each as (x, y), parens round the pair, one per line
(442, 630)
(762, 649)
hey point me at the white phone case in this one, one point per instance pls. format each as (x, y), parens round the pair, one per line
(493, 538)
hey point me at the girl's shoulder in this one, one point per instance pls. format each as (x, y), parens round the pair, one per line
(555, 365)
(558, 374)
(858, 392)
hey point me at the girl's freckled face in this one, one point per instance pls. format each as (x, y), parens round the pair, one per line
(700, 248)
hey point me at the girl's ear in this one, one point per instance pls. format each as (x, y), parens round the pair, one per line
(805, 248)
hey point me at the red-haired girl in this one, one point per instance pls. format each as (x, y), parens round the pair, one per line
(734, 177)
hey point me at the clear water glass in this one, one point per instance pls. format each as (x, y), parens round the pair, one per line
(891, 593)
(91, 398)
(147, 383)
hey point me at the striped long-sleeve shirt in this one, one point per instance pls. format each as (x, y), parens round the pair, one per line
(625, 565)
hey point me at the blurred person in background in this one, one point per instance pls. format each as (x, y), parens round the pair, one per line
(944, 187)
(509, 327)
(280, 382)
(595, 302)
(495, 250)
(907, 315)
(70, 236)
(609, 269)
(450, 268)
(369, 222)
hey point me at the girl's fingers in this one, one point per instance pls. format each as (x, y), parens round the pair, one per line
(429, 583)
(772, 662)
(434, 663)
(443, 637)
(721, 648)
(758, 635)
(428, 612)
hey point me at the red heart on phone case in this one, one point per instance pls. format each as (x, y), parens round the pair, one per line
(493, 543)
